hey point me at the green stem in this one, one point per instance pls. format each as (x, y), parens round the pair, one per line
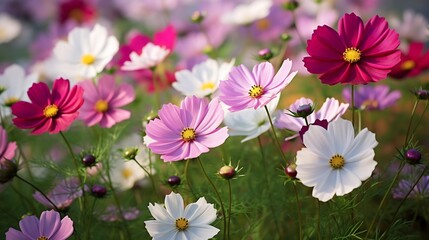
(360, 120)
(275, 135)
(229, 209)
(410, 122)
(188, 179)
(298, 203)
(318, 219)
(421, 116)
(353, 104)
(218, 196)
(150, 176)
(41, 192)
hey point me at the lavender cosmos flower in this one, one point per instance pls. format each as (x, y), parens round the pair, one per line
(244, 89)
(404, 186)
(188, 131)
(112, 214)
(49, 226)
(102, 102)
(63, 194)
(372, 98)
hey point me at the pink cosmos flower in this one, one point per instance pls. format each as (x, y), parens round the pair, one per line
(48, 111)
(187, 131)
(356, 54)
(244, 89)
(412, 63)
(49, 226)
(7, 149)
(103, 101)
(8, 167)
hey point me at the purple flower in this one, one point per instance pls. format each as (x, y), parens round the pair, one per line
(49, 226)
(188, 131)
(102, 102)
(372, 98)
(63, 194)
(419, 191)
(112, 214)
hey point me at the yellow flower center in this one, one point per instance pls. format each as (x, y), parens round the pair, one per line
(42, 238)
(101, 106)
(10, 101)
(87, 59)
(207, 85)
(337, 161)
(370, 104)
(263, 24)
(256, 91)
(188, 134)
(50, 111)
(126, 172)
(76, 14)
(182, 224)
(351, 55)
(408, 65)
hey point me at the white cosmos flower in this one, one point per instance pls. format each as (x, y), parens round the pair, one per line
(86, 52)
(9, 28)
(204, 78)
(413, 26)
(150, 56)
(175, 222)
(334, 161)
(14, 85)
(247, 13)
(250, 122)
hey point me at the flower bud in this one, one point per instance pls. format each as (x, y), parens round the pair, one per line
(88, 160)
(173, 181)
(413, 156)
(98, 191)
(227, 172)
(130, 153)
(291, 170)
(8, 170)
(291, 5)
(422, 94)
(197, 17)
(285, 37)
(304, 110)
(265, 54)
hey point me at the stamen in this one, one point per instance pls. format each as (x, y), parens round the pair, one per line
(207, 85)
(256, 91)
(87, 59)
(408, 65)
(188, 134)
(101, 106)
(351, 55)
(337, 161)
(50, 111)
(182, 224)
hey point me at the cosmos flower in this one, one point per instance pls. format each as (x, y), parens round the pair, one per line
(187, 131)
(334, 161)
(7, 149)
(175, 222)
(80, 11)
(14, 84)
(421, 190)
(357, 54)
(248, 12)
(48, 111)
(125, 174)
(102, 102)
(412, 63)
(413, 27)
(150, 56)
(112, 214)
(86, 52)
(250, 122)
(244, 89)
(372, 97)
(49, 226)
(204, 78)
(331, 110)
(9, 28)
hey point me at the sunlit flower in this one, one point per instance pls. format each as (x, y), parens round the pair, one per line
(14, 84)
(102, 102)
(244, 89)
(250, 122)
(247, 12)
(9, 28)
(412, 63)
(372, 97)
(150, 56)
(187, 131)
(334, 161)
(86, 52)
(331, 110)
(357, 54)
(49, 226)
(204, 78)
(48, 111)
(62, 195)
(175, 221)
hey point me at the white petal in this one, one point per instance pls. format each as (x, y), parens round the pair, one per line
(347, 182)
(324, 191)
(200, 213)
(155, 228)
(342, 134)
(363, 142)
(174, 205)
(160, 213)
(203, 231)
(318, 140)
(363, 169)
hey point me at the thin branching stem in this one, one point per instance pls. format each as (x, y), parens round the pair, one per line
(40, 191)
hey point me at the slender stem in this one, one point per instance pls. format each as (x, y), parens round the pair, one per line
(41, 192)
(188, 180)
(318, 219)
(229, 208)
(421, 116)
(298, 203)
(384, 199)
(410, 122)
(359, 120)
(306, 121)
(218, 196)
(150, 176)
(275, 135)
(353, 104)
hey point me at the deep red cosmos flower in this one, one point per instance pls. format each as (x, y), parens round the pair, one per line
(81, 11)
(48, 112)
(357, 54)
(412, 63)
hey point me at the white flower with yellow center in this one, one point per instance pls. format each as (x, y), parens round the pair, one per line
(175, 222)
(247, 13)
(150, 56)
(334, 161)
(9, 28)
(14, 85)
(204, 78)
(86, 52)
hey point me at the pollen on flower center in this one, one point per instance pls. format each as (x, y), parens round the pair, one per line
(188, 134)
(88, 59)
(263, 24)
(10, 101)
(370, 104)
(337, 161)
(101, 106)
(408, 65)
(182, 224)
(351, 55)
(42, 238)
(50, 111)
(256, 91)
(207, 85)
(126, 172)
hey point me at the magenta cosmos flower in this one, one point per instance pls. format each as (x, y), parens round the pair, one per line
(49, 226)
(412, 63)
(48, 111)
(357, 54)
(188, 131)
(103, 101)
(244, 89)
